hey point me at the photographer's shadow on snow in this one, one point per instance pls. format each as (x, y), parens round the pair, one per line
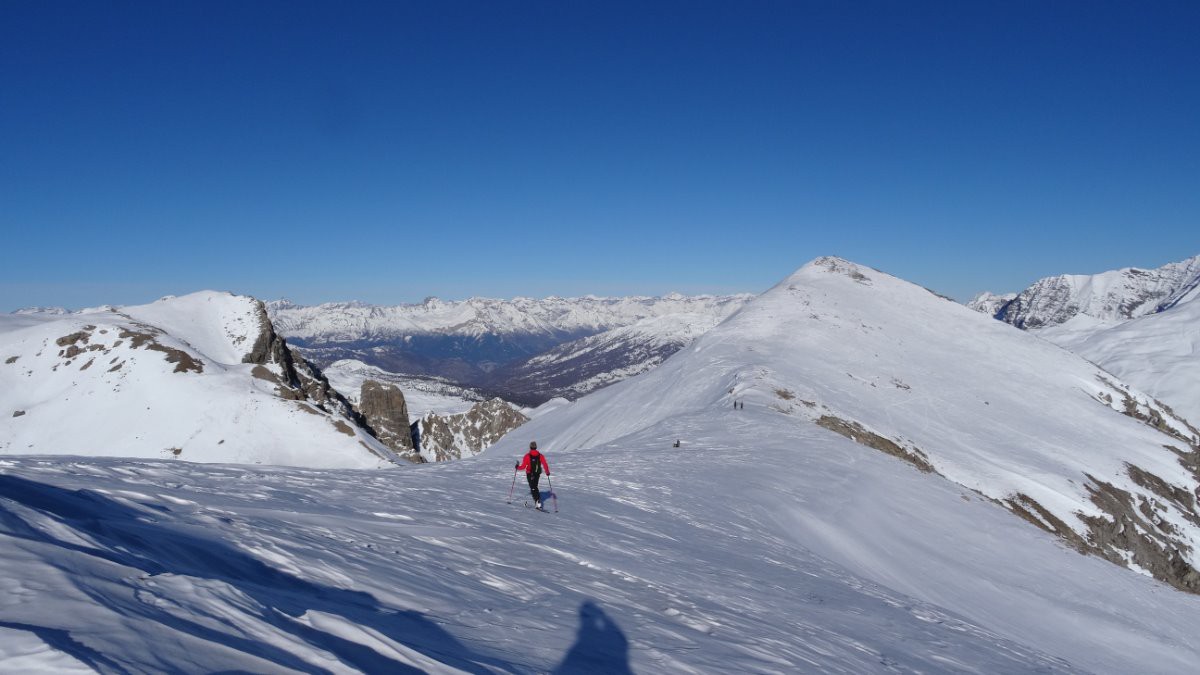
(600, 646)
(128, 537)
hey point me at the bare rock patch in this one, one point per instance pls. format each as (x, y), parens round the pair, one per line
(859, 434)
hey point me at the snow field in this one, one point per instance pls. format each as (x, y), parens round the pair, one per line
(814, 553)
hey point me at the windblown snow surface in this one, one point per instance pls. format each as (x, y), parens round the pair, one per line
(764, 543)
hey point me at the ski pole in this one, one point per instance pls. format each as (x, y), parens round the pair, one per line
(552, 495)
(510, 489)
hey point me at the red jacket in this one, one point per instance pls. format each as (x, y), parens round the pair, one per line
(529, 458)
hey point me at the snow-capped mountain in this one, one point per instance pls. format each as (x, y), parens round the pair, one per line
(203, 378)
(1013, 418)
(1110, 296)
(477, 317)
(990, 303)
(466, 341)
(582, 366)
(1139, 324)
(1158, 353)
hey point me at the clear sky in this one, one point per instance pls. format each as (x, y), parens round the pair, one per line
(333, 150)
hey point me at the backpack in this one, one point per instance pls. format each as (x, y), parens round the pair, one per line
(535, 465)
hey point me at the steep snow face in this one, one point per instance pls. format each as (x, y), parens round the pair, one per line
(585, 365)
(349, 322)
(169, 379)
(990, 303)
(996, 410)
(424, 395)
(1109, 296)
(1158, 353)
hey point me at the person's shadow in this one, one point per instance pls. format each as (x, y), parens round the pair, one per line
(129, 537)
(600, 646)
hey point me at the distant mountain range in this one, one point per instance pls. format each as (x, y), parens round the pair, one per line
(1109, 296)
(524, 350)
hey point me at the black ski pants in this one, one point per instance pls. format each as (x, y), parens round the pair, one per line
(533, 479)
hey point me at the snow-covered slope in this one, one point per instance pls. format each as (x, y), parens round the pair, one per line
(201, 377)
(582, 366)
(997, 411)
(1158, 353)
(1109, 296)
(424, 395)
(760, 546)
(1142, 325)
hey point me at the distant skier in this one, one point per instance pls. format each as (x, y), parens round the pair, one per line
(534, 463)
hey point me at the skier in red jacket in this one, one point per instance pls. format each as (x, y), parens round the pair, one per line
(534, 463)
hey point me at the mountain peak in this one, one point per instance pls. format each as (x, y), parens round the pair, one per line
(881, 361)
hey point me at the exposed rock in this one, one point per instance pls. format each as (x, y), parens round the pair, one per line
(445, 437)
(296, 379)
(11, 359)
(73, 338)
(1138, 534)
(859, 434)
(148, 338)
(385, 413)
(18, 413)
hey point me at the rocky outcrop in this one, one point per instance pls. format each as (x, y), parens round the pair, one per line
(382, 412)
(296, 377)
(446, 437)
(385, 412)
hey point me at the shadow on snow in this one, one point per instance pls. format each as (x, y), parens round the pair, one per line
(126, 537)
(600, 646)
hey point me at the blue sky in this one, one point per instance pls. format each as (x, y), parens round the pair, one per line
(327, 151)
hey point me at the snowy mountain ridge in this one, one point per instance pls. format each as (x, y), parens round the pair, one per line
(352, 321)
(202, 377)
(1109, 296)
(1142, 325)
(990, 303)
(1053, 438)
